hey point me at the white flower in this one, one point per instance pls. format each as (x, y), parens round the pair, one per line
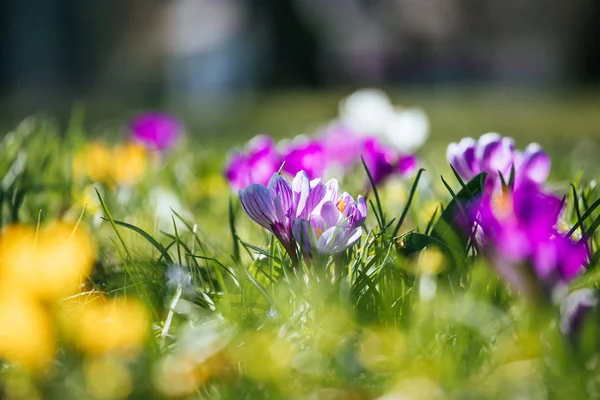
(407, 129)
(366, 111)
(371, 112)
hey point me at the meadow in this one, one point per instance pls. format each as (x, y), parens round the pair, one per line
(364, 250)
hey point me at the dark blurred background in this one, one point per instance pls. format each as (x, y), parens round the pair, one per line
(201, 54)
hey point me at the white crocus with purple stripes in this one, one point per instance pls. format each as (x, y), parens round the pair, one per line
(333, 226)
(277, 206)
(310, 212)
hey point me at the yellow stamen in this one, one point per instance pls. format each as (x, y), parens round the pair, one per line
(318, 232)
(503, 205)
(341, 205)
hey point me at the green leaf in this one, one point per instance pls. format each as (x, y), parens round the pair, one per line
(446, 225)
(413, 190)
(149, 238)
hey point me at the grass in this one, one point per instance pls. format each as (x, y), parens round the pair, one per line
(408, 312)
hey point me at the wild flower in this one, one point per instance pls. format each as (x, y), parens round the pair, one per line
(518, 229)
(286, 210)
(383, 161)
(156, 130)
(333, 226)
(93, 161)
(342, 146)
(254, 165)
(129, 163)
(276, 206)
(26, 330)
(495, 155)
(574, 309)
(124, 164)
(105, 324)
(50, 263)
(370, 112)
(305, 155)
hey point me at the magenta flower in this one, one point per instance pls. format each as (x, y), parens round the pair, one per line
(256, 165)
(333, 226)
(276, 206)
(383, 161)
(574, 309)
(518, 229)
(308, 156)
(343, 147)
(495, 155)
(156, 130)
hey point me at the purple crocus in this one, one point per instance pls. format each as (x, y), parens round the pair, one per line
(308, 156)
(574, 310)
(158, 131)
(343, 147)
(255, 165)
(495, 155)
(383, 161)
(518, 228)
(276, 206)
(333, 226)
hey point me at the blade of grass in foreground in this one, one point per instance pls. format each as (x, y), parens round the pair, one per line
(411, 195)
(234, 236)
(112, 223)
(149, 238)
(381, 218)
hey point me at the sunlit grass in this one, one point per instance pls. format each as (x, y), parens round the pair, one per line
(104, 296)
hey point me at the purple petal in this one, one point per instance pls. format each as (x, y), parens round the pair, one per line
(155, 129)
(574, 255)
(574, 308)
(342, 145)
(407, 165)
(330, 213)
(301, 189)
(536, 164)
(314, 201)
(279, 186)
(258, 204)
(495, 153)
(461, 156)
(302, 232)
(308, 157)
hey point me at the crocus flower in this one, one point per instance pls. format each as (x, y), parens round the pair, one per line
(333, 226)
(518, 228)
(343, 146)
(308, 156)
(574, 308)
(158, 131)
(383, 161)
(366, 111)
(256, 165)
(276, 206)
(370, 112)
(495, 155)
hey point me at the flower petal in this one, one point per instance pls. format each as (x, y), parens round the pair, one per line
(258, 204)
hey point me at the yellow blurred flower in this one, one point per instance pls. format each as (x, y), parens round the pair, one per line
(106, 324)
(382, 349)
(178, 374)
(50, 263)
(25, 331)
(264, 356)
(107, 378)
(129, 163)
(213, 185)
(93, 161)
